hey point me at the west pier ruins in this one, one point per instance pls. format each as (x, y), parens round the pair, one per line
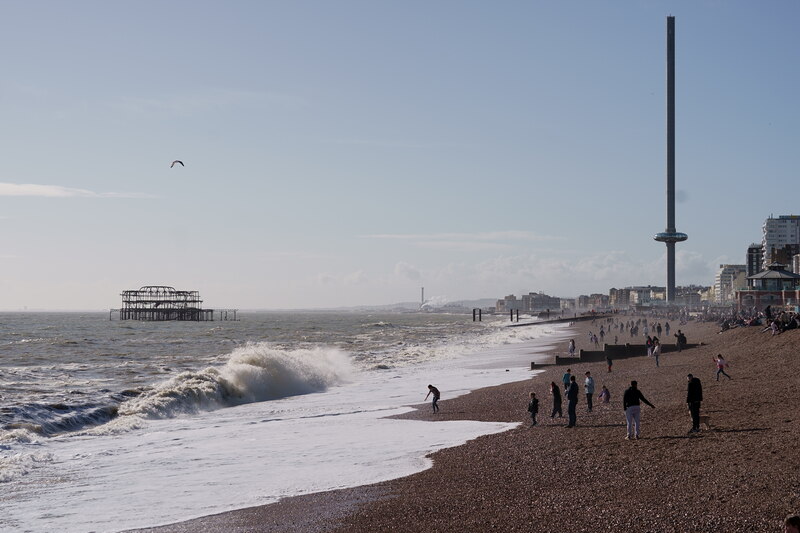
(161, 303)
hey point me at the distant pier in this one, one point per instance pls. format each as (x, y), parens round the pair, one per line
(161, 303)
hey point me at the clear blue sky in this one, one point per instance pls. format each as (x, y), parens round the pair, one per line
(350, 152)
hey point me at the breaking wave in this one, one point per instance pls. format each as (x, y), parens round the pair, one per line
(253, 373)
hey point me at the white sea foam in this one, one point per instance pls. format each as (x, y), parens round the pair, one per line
(254, 373)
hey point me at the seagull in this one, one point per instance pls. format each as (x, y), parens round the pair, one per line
(176, 161)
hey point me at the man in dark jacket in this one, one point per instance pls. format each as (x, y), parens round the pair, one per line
(694, 395)
(572, 398)
(631, 404)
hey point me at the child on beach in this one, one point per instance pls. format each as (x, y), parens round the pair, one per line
(533, 408)
(721, 365)
(565, 379)
(604, 396)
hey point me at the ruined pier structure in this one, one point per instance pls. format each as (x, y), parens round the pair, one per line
(159, 303)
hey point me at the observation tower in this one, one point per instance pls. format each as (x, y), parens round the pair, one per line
(670, 236)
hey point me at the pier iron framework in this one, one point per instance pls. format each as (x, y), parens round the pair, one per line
(161, 303)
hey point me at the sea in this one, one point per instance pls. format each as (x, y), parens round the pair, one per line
(109, 425)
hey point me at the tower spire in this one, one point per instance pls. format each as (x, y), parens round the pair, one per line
(670, 236)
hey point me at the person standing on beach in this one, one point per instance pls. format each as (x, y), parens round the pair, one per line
(572, 399)
(694, 395)
(533, 408)
(632, 406)
(608, 360)
(791, 524)
(656, 350)
(588, 389)
(571, 347)
(565, 380)
(556, 392)
(721, 365)
(433, 390)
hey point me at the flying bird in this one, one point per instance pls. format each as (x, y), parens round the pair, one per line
(176, 161)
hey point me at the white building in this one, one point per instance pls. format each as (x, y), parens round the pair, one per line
(778, 233)
(729, 278)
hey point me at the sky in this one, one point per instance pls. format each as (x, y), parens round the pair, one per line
(348, 153)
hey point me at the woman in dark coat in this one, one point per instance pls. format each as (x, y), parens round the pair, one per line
(556, 392)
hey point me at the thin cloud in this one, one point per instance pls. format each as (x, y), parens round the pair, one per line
(57, 191)
(484, 236)
(289, 254)
(464, 246)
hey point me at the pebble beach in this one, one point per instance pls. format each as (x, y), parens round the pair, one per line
(739, 473)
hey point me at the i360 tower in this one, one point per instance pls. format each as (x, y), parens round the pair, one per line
(670, 236)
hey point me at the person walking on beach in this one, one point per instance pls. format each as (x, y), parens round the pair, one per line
(649, 344)
(632, 406)
(721, 365)
(571, 347)
(656, 350)
(588, 389)
(556, 392)
(433, 390)
(608, 360)
(565, 380)
(572, 399)
(680, 340)
(694, 395)
(533, 408)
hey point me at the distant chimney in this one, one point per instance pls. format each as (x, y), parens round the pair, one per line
(423, 296)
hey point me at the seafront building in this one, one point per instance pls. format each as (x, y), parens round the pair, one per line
(691, 296)
(774, 286)
(728, 280)
(755, 259)
(529, 303)
(780, 239)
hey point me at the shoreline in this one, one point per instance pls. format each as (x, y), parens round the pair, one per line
(740, 475)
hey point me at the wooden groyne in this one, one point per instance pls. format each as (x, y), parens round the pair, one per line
(560, 320)
(615, 351)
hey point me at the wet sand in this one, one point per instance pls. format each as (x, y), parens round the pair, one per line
(740, 473)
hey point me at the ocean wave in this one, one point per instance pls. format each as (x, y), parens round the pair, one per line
(253, 373)
(19, 464)
(22, 423)
(380, 324)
